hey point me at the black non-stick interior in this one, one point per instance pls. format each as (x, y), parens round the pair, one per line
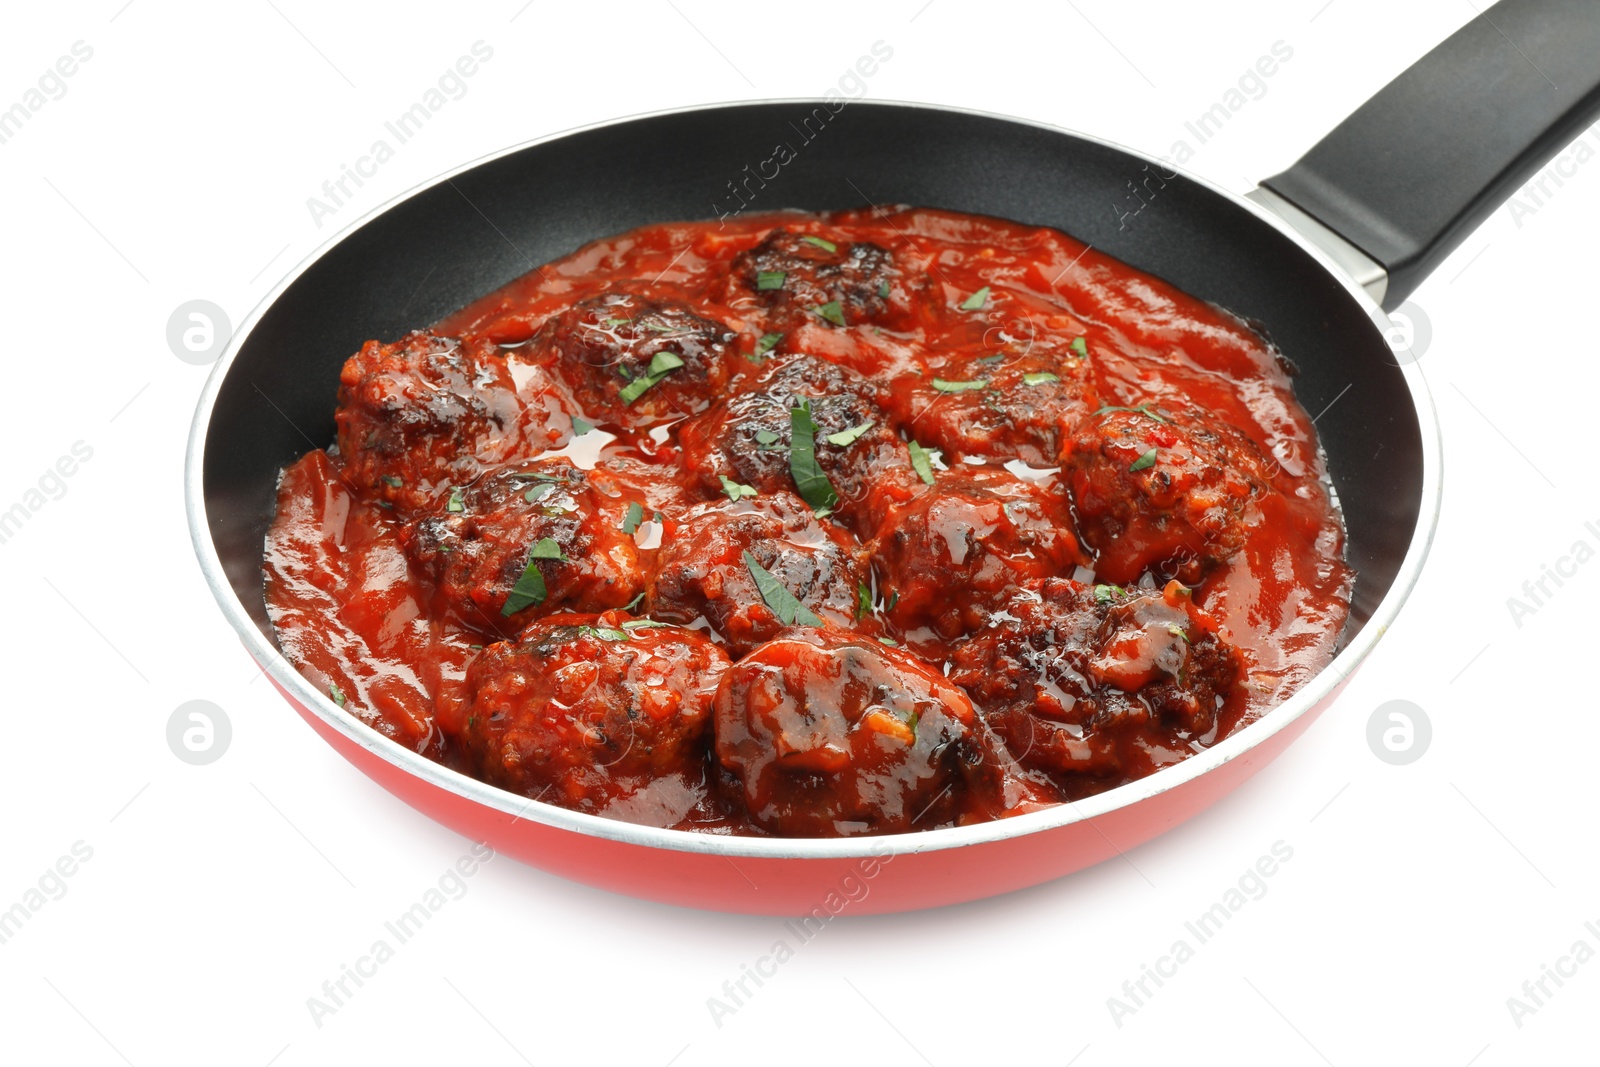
(440, 248)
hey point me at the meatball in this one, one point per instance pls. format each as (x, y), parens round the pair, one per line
(1081, 680)
(1017, 401)
(834, 735)
(426, 413)
(584, 710)
(704, 569)
(950, 555)
(528, 540)
(1167, 491)
(748, 437)
(805, 278)
(631, 360)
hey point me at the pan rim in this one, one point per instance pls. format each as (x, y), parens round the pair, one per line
(1319, 687)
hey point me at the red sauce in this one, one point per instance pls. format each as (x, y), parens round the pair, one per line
(814, 525)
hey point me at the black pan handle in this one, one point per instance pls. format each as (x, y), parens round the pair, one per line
(1437, 150)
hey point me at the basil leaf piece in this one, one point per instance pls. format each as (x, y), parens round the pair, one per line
(766, 437)
(922, 462)
(960, 387)
(976, 301)
(1080, 346)
(831, 311)
(631, 521)
(1039, 377)
(768, 342)
(393, 481)
(770, 279)
(883, 289)
(809, 480)
(528, 591)
(821, 242)
(661, 365)
(547, 548)
(846, 437)
(581, 426)
(1144, 461)
(1142, 409)
(863, 601)
(783, 603)
(537, 491)
(1104, 594)
(337, 695)
(735, 491)
(633, 604)
(455, 505)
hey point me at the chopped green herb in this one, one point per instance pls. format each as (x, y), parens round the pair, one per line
(1177, 631)
(821, 242)
(393, 481)
(1104, 594)
(809, 480)
(783, 603)
(1144, 461)
(530, 588)
(659, 327)
(642, 624)
(1081, 346)
(846, 437)
(581, 426)
(735, 491)
(770, 279)
(960, 387)
(658, 518)
(921, 460)
(661, 365)
(911, 721)
(894, 598)
(883, 289)
(631, 521)
(538, 491)
(831, 311)
(547, 548)
(891, 642)
(1039, 377)
(1142, 409)
(455, 505)
(768, 342)
(767, 437)
(614, 323)
(633, 604)
(863, 600)
(604, 633)
(976, 301)
(337, 695)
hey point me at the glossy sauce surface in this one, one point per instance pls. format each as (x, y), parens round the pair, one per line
(814, 525)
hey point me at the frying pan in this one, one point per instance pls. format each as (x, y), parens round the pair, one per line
(1313, 256)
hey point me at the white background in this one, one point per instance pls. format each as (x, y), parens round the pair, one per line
(219, 898)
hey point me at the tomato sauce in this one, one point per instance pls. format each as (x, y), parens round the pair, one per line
(814, 525)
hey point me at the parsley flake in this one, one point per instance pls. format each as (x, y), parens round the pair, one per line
(847, 437)
(735, 491)
(821, 242)
(1145, 461)
(831, 311)
(631, 521)
(976, 301)
(770, 279)
(768, 342)
(783, 603)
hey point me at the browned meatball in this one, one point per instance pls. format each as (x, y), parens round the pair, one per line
(950, 555)
(1016, 401)
(426, 413)
(833, 735)
(1075, 677)
(704, 569)
(630, 360)
(810, 278)
(749, 437)
(584, 711)
(1163, 490)
(525, 541)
